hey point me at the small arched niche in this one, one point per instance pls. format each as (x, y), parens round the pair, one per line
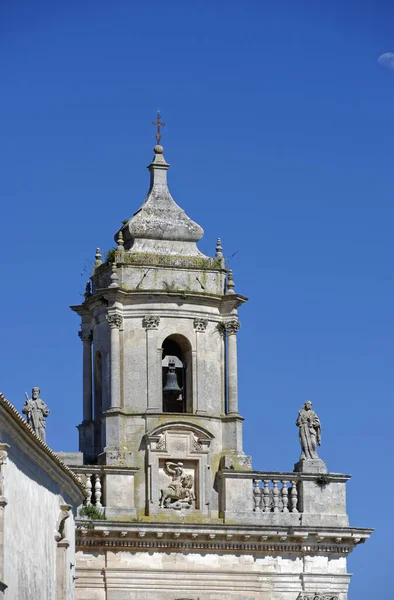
(177, 375)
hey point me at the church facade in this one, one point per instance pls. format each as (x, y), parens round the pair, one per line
(173, 506)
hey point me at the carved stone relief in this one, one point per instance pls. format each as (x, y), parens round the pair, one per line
(179, 493)
(179, 477)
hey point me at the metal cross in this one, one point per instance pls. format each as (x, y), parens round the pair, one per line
(159, 124)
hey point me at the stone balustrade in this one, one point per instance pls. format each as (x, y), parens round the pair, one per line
(275, 495)
(92, 481)
(283, 498)
(109, 488)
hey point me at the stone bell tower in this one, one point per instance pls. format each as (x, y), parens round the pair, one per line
(173, 508)
(160, 313)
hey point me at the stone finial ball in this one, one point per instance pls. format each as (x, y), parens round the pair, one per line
(158, 149)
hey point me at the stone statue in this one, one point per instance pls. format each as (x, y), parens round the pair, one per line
(309, 431)
(179, 494)
(36, 411)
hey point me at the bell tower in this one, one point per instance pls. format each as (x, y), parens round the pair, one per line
(159, 332)
(173, 507)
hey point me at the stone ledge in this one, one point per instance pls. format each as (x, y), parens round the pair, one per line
(219, 538)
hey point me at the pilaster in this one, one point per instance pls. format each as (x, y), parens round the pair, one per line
(87, 339)
(231, 328)
(200, 327)
(115, 322)
(153, 366)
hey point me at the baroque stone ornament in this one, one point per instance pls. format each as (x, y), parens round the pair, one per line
(197, 446)
(317, 596)
(161, 444)
(230, 282)
(114, 276)
(232, 326)
(36, 412)
(309, 431)
(115, 321)
(179, 494)
(98, 258)
(200, 324)
(151, 322)
(86, 336)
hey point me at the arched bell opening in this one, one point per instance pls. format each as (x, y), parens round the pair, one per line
(177, 374)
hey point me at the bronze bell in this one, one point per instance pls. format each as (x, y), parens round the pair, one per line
(172, 380)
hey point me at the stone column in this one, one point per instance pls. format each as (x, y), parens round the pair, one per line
(200, 327)
(231, 328)
(115, 323)
(153, 366)
(87, 339)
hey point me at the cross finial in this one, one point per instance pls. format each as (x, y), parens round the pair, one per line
(159, 123)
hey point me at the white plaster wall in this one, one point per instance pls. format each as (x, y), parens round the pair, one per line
(30, 518)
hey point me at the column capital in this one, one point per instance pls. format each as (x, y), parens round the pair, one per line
(150, 322)
(86, 336)
(231, 327)
(115, 321)
(200, 324)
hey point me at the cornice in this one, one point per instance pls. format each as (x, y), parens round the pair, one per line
(219, 538)
(172, 417)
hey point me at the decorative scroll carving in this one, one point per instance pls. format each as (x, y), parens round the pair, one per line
(197, 446)
(200, 324)
(179, 494)
(115, 321)
(63, 515)
(150, 322)
(86, 336)
(309, 431)
(36, 411)
(232, 326)
(161, 444)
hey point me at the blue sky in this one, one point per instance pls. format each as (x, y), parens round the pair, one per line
(280, 135)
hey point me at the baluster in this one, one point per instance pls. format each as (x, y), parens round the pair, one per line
(88, 489)
(275, 494)
(285, 497)
(256, 495)
(294, 497)
(266, 496)
(97, 491)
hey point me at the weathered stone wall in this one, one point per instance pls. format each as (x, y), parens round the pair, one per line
(207, 576)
